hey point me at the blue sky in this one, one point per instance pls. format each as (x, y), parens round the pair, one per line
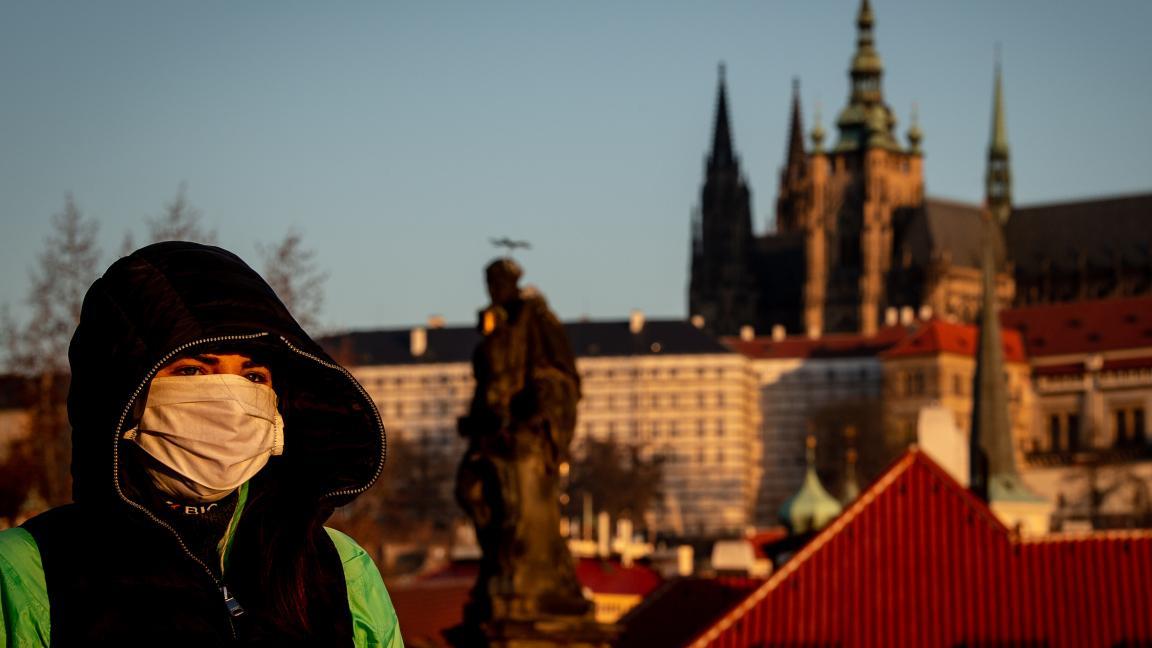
(400, 136)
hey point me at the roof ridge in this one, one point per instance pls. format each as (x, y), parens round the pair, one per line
(1129, 195)
(911, 457)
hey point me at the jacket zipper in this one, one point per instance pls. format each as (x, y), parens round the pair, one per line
(230, 603)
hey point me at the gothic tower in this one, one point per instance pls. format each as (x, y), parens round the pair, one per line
(998, 178)
(722, 288)
(845, 202)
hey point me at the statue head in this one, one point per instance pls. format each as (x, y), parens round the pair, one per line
(503, 275)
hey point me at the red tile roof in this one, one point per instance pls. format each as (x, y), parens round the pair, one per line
(435, 602)
(1083, 327)
(610, 577)
(937, 336)
(834, 345)
(918, 561)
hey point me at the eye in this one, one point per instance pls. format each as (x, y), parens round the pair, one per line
(187, 370)
(261, 376)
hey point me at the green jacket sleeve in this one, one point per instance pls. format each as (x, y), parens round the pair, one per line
(374, 623)
(24, 619)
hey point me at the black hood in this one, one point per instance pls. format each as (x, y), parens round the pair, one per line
(175, 298)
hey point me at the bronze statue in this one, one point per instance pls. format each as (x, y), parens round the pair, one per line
(519, 427)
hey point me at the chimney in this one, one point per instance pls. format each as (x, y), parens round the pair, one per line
(603, 532)
(697, 321)
(778, 332)
(435, 321)
(418, 341)
(891, 316)
(907, 315)
(636, 321)
(684, 560)
(747, 333)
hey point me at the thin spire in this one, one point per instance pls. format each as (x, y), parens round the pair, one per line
(998, 177)
(817, 134)
(722, 136)
(796, 130)
(915, 135)
(999, 141)
(992, 461)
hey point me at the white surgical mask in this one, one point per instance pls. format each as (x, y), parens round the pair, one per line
(214, 432)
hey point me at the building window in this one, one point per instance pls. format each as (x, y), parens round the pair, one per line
(1129, 426)
(1073, 432)
(1056, 444)
(1121, 433)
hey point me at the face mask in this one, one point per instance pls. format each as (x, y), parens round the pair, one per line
(214, 432)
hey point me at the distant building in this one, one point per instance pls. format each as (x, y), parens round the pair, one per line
(855, 235)
(1088, 447)
(829, 382)
(665, 386)
(936, 365)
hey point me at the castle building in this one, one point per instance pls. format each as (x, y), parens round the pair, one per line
(855, 234)
(664, 387)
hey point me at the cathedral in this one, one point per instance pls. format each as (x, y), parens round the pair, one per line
(858, 245)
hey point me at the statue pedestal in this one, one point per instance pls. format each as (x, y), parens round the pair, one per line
(541, 632)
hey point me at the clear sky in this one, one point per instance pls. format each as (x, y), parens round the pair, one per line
(400, 136)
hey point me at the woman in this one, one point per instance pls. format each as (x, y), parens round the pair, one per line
(211, 439)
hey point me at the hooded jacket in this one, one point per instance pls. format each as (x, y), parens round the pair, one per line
(107, 566)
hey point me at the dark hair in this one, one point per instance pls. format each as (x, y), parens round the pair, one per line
(274, 566)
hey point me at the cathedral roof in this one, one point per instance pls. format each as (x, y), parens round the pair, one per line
(948, 229)
(1099, 231)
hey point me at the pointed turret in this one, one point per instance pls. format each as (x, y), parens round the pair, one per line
(722, 288)
(817, 134)
(721, 154)
(796, 160)
(793, 196)
(866, 121)
(812, 507)
(992, 461)
(915, 135)
(998, 179)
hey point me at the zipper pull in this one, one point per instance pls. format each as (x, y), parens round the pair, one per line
(234, 607)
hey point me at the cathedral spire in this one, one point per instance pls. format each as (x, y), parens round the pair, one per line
(721, 155)
(998, 178)
(796, 157)
(992, 462)
(866, 121)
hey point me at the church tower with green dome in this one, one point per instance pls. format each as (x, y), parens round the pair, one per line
(812, 508)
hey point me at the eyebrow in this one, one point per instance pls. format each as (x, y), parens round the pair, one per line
(212, 360)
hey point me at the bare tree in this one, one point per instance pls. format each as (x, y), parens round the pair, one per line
(619, 479)
(38, 350)
(180, 222)
(292, 272)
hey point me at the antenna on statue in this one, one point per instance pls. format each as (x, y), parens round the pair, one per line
(509, 244)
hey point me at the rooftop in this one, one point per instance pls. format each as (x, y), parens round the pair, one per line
(918, 560)
(938, 336)
(1083, 327)
(588, 339)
